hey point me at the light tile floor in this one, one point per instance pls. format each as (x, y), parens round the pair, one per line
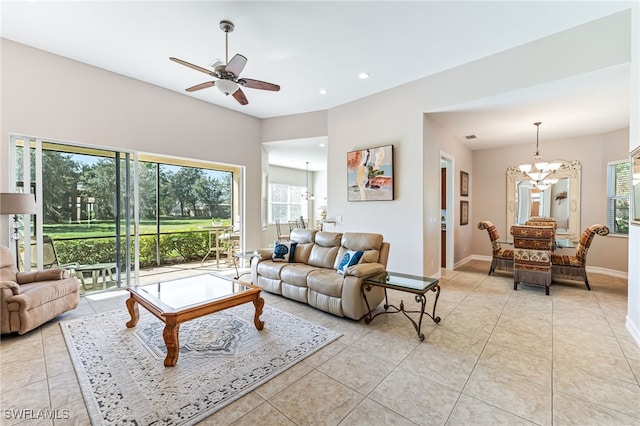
(499, 356)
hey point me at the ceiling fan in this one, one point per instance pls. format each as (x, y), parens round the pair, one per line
(228, 75)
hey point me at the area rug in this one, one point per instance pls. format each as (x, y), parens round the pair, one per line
(222, 357)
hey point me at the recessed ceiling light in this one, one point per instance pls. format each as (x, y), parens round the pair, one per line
(323, 91)
(363, 75)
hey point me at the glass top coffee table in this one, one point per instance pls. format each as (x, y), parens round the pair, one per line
(416, 285)
(184, 299)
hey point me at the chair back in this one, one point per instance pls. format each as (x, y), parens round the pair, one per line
(49, 255)
(296, 224)
(281, 236)
(586, 238)
(542, 221)
(532, 247)
(493, 235)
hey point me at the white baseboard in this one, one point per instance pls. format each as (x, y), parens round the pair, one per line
(633, 330)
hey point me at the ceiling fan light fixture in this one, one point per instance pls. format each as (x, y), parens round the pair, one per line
(227, 87)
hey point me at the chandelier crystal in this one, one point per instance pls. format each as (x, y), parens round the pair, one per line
(307, 195)
(540, 172)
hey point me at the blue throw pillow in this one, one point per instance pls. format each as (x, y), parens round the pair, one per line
(284, 252)
(350, 258)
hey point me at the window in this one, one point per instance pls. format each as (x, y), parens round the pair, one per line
(286, 202)
(618, 182)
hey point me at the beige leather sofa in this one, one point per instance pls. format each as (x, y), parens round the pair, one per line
(312, 277)
(29, 299)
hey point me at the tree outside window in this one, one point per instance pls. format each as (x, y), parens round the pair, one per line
(618, 184)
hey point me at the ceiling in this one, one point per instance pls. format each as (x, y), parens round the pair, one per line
(305, 46)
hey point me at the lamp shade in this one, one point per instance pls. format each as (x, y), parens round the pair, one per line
(13, 203)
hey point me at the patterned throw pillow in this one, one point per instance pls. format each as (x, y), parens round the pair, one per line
(350, 258)
(284, 252)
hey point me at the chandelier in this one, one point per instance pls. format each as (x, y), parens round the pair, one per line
(307, 195)
(539, 172)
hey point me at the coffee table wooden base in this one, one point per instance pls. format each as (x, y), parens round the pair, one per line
(172, 320)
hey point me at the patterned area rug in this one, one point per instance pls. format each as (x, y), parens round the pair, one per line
(222, 357)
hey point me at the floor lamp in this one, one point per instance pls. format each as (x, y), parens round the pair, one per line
(15, 204)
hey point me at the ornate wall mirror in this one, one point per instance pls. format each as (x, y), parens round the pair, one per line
(560, 201)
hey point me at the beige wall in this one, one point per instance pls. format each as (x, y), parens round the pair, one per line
(48, 96)
(593, 152)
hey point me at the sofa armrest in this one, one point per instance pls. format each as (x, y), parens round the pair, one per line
(11, 286)
(364, 270)
(46, 275)
(263, 254)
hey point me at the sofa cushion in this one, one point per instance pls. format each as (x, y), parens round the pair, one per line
(368, 243)
(325, 281)
(284, 252)
(323, 253)
(270, 269)
(304, 238)
(296, 274)
(350, 258)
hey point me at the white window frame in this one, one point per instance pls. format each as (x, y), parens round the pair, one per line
(291, 201)
(612, 197)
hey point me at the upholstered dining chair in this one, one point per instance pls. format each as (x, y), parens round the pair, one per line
(502, 259)
(542, 221)
(532, 246)
(575, 267)
(281, 236)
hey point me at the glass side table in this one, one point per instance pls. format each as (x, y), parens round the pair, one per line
(419, 286)
(245, 256)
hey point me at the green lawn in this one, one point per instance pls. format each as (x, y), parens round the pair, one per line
(107, 229)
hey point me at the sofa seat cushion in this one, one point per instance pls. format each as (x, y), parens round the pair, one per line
(270, 269)
(296, 274)
(565, 260)
(40, 293)
(326, 281)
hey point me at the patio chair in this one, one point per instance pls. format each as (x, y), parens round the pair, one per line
(575, 267)
(501, 259)
(83, 272)
(49, 256)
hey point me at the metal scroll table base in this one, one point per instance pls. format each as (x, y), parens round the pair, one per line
(419, 298)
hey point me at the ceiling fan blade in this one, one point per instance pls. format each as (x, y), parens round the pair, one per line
(236, 65)
(257, 84)
(240, 97)
(195, 67)
(201, 86)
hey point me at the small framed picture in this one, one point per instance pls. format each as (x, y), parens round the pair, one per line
(464, 184)
(464, 212)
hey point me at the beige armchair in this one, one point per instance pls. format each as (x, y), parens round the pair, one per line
(29, 299)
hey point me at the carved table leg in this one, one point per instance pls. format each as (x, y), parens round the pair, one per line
(258, 302)
(170, 335)
(132, 307)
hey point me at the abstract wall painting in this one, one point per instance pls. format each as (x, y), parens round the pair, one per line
(370, 174)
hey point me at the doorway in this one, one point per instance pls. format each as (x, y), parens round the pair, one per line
(447, 209)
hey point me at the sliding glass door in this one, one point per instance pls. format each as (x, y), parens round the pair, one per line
(86, 210)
